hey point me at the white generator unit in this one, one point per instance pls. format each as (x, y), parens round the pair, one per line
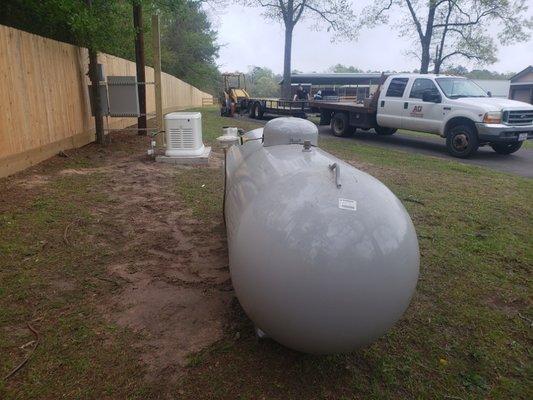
(183, 132)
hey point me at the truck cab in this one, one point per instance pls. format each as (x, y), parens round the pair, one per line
(455, 108)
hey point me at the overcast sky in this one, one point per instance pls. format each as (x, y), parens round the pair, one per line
(249, 39)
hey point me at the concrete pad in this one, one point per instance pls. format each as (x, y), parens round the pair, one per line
(202, 159)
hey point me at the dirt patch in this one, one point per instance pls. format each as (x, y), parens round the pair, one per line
(172, 274)
(62, 285)
(509, 307)
(119, 234)
(167, 275)
(33, 181)
(175, 320)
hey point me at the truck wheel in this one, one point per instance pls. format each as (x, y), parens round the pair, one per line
(325, 118)
(381, 130)
(340, 126)
(462, 141)
(256, 111)
(251, 110)
(506, 148)
(259, 111)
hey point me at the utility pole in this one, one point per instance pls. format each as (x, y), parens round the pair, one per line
(95, 89)
(140, 63)
(156, 46)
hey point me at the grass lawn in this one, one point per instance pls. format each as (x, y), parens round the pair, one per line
(66, 224)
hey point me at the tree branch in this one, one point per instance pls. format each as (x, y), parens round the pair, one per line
(300, 11)
(323, 15)
(384, 9)
(470, 56)
(470, 23)
(415, 19)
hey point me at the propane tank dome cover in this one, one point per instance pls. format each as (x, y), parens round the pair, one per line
(289, 130)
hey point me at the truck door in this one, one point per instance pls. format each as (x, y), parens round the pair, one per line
(423, 107)
(390, 105)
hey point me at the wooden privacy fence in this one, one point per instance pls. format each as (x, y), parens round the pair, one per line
(44, 100)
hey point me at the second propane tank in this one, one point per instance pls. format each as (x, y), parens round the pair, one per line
(323, 257)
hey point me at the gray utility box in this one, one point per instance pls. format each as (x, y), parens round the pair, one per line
(123, 96)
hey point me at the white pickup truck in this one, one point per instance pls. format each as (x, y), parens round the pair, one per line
(453, 107)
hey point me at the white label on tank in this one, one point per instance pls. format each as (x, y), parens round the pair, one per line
(348, 204)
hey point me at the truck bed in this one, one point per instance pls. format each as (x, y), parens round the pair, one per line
(359, 115)
(341, 105)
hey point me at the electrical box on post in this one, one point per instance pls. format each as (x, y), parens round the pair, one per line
(123, 96)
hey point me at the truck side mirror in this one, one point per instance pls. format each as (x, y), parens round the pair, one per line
(431, 96)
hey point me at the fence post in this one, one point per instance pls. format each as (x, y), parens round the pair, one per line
(157, 75)
(140, 63)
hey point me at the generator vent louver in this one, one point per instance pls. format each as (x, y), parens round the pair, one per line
(183, 134)
(181, 138)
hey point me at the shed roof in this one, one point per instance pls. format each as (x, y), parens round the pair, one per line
(523, 72)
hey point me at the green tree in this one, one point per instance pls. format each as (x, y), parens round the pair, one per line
(188, 41)
(262, 82)
(448, 30)
(188, 44)
(339, 68)
(105, 26)
(334, 15)
(477, 73)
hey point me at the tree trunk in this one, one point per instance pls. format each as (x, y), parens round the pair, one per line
(95, 94)
(95, 90)
(436, 69)
(286, 87)
(140, 62)
(425, 41)
(424, 62)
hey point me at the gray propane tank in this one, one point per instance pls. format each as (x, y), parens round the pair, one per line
(323, 257)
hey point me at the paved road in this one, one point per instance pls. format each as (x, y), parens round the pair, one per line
(519, 163)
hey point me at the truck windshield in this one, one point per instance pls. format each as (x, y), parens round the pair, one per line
(454, 88)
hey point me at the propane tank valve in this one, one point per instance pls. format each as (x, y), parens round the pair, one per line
(307, 146)
(229, 138)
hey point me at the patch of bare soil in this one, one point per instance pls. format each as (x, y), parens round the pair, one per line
(173, 270)
(33, 181)
(168, 274)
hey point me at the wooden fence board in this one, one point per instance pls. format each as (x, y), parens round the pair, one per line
(44, 100)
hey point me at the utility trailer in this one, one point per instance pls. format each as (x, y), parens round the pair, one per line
(345, 117)
(257, 108)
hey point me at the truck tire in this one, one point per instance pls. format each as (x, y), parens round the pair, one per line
(260, 111)
(340, 126)
(381, 130)
(325, 118)
(462, 141)
(256, 111)
(506, 148)
(251, 110)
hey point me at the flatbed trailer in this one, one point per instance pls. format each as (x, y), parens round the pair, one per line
(359, 115)
(346, 116)
(257, 108)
